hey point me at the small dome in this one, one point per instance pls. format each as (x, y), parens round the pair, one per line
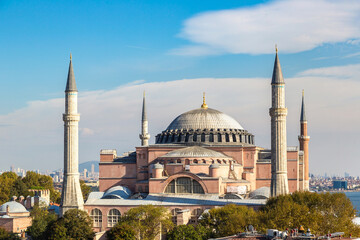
(214, 165)
(194, 152)
(14, 207)
(117, 192)
(204, 118)
(260, 193)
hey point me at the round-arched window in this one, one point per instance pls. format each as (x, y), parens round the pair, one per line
(184, 185)
(113, 217)
(96, 216)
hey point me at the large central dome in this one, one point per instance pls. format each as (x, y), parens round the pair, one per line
(205, 126)
(204, 118)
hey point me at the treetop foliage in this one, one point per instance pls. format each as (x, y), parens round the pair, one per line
(13, 185)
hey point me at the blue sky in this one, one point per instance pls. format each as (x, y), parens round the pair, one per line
(120, 43)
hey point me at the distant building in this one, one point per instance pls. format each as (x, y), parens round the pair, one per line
(340, 184)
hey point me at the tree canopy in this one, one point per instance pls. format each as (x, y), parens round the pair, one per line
(188, 232)
(85, 189)
(75, 224)
(228, 220)
(147, 220)
(323, 213)
(41, 220)
(13, 185)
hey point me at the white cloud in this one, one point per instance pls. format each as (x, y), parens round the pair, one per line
(32, 137)
(350, 72)
(292, 24)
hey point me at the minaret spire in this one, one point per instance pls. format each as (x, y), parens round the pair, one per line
(70, 83)
(71, 196)
(144, 136)
(303, 115)
(304, 143)
(278, 112)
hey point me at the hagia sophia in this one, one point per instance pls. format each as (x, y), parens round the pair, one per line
(203, 159)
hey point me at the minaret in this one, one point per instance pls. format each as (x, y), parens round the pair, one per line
(71, 196)
(304, 143)
(278, 112)
(144, 136)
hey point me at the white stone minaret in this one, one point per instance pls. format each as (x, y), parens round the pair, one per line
(144, 136)
(71, 196)
(278, 112)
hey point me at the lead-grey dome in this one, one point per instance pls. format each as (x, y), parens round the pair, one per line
(205, 126)
(204, 119)
(14, 207)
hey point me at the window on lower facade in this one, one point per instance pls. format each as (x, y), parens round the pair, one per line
(96, 216)
(113, 217)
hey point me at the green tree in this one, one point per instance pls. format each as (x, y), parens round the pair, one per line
(184, 232)
(322, 213)
(5, 235)
(7, 180)
(228, 220)
(148, 220)
(75, 224)
(41, 220)
(34, 180)
(85, 189)
(57, 231)
(121, 231)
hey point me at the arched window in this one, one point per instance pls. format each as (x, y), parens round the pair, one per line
(187, 137)
(211, 137)
(195, 137)
(234, 137)
(219, 137)
(179, 137)
(96, 216)
(183, 185)
(173, 138)
(113, 217)
(227, 137)
(203, 137)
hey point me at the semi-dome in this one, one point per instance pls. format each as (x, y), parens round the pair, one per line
(117, 192)
(205, 126)
(204, 118)
(14, 207)
(194, 152)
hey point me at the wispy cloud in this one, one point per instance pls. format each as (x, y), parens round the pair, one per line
(349, 72)
(294, 25)
(357, 54)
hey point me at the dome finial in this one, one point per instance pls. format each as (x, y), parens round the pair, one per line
(276, 48)
(204, 105)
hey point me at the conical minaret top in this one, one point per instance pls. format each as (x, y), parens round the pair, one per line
(71, 84)
(277, 76)
(144, 115)
(303, 115)
(144, 136)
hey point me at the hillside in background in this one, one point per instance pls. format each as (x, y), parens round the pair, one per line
(87, 165)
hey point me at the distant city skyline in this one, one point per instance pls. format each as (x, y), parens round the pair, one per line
(122, 48)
